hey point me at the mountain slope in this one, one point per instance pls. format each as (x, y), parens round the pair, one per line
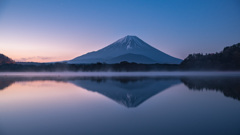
(126, 45)
(131, 58)
(5, 60)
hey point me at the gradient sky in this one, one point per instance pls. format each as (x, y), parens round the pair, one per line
(55, 30)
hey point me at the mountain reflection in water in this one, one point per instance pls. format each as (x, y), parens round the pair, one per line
(129, 92)
(133, 91)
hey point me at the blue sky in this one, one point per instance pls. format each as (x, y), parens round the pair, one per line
(50, 30)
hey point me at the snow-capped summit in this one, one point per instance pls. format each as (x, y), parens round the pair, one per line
(129, 41)
(127, 45)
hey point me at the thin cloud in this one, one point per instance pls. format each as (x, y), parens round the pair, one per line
(30, 59)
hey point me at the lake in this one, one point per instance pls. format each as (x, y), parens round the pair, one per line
(204, 103)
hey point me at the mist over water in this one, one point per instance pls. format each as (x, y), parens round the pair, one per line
(130, 103)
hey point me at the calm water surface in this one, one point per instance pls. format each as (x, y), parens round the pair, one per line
(119, 105)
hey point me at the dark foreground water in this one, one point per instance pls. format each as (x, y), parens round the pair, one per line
(74, 105)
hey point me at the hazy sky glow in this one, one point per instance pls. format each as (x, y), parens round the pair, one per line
(55, 30)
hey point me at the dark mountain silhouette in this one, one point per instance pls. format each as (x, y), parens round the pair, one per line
(124, 46)
(5, 60)
(228, 59)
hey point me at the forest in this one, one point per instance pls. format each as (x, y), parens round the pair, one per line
(227, 59)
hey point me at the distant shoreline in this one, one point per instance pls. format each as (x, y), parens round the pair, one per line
(121, 74)
(103, 67)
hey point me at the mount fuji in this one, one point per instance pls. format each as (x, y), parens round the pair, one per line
(130, 49)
